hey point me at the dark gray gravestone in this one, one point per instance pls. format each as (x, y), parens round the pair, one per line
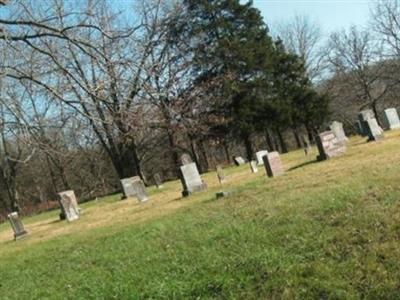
(17, 226)
(134, 187)
(392, 118)
(329, 145)
(157, 180)
(191, 180)
(260, 155)
(374, 131)
(337, 129)
(220, 174)
(273, 164)
(186, 159)
(253, 166)
(239, 160)
(363, 116)
(69, 206)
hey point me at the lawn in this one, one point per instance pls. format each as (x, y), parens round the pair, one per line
(326, 230)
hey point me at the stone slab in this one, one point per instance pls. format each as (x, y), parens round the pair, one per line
(17, 225)
(239, 160)
(374, 131)
(69, 206)
(329, 146)
(260, 155)
(134, 187)
(392, 118)
(363, 116)
(253, 166)
(337, 129)
(273, 164)
(191, 180)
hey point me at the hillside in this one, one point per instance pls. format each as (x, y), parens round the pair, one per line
(323, 230)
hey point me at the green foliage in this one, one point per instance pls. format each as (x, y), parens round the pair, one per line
(254, 82)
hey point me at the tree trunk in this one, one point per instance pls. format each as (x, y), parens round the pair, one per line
(281, 141)
(227, 153)
(174, 153)
(248, 145)
(127, 163)
(310, 132)
(297, 138)
(204, 154)
(194, 154)
(270, 144)
(52, 176)
(375, 110)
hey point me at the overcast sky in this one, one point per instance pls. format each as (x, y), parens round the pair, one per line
(330, 14)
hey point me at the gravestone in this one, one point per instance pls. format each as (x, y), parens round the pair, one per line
(69, 206)
(186, 159)
(219, 195)
(260, 155)
(273, 164)
(392, 118)
(306, 144)
(220, 174)
(17, 226)
(374, 131)
(239, 160)
(363, 116)
(157, 180)
(191, 180)
(253, 166)
(329, 146)
(134, 187)
(337, 129)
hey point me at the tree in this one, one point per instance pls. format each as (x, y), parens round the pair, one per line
(231, 51)
(355, 55)
(302, 36)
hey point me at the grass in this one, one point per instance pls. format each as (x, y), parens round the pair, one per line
(327, 230)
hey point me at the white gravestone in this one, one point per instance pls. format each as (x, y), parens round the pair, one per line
(374, 131)
(17, 226)
(260, 155)
(191, 180)
(239, 160)
(337, 129)
(392, 118)
(253, 166)
(69, 206)
(273, 164)
(134, 187)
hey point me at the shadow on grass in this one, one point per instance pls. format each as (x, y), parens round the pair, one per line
(303, 165)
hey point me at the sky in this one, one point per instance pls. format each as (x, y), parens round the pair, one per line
(332, 15)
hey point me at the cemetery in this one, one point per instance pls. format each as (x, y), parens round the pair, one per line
(324, 216)
(199, 149)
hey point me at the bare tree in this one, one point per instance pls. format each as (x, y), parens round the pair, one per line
(356, 57)
(303, 36)
(386, 22)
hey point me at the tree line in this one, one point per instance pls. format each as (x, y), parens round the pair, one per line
(94, 91)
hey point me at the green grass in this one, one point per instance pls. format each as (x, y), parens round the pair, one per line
(327, 230)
